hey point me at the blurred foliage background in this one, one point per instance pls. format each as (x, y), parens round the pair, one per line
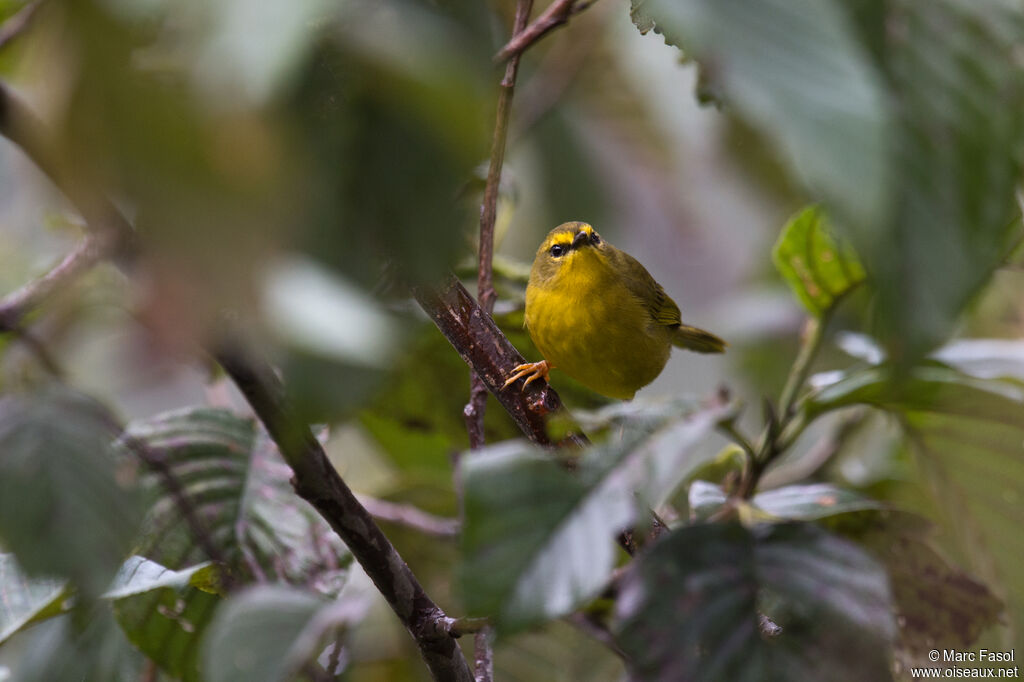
(290, 167)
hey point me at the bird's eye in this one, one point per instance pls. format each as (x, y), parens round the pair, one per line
(557, 250)
(595, 239)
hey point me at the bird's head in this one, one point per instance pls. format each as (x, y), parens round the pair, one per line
(569, 247)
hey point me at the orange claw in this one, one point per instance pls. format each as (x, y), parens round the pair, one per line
(532, 371)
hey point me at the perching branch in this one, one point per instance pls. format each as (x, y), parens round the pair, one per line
(557, 14)
(491, 355)
(318, 483)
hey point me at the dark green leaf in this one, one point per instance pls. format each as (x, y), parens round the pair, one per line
(538, 539)
(237, 483)
(938, 605)
(689, 608)
(24, 600)
(956, 85)
(794, 70)
(818, 267)
(966, 434)
(63, 508)
(267, 633)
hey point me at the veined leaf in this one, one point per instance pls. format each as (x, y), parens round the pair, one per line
(818, 268)
(968, 438)
(809, 502)
(538, 540)
(238, 486)
(689, 608)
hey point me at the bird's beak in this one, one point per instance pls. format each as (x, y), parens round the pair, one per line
(580, 239)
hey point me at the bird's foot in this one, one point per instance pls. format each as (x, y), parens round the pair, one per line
(532, 371)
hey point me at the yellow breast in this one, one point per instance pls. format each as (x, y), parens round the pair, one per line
(587, 323)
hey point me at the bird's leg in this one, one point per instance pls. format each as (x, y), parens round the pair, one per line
(532, 371)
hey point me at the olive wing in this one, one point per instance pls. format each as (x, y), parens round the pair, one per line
(641, 284)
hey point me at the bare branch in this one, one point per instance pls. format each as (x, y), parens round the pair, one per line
(596, 630)
(16, 24)
(318, 483)
(485, 293)
(19, 303)
(557, 14)
(410, 516)
(491, 355)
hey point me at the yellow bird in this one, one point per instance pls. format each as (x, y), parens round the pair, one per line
(595, 312)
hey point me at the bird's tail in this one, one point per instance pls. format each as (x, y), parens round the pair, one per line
(698, 340)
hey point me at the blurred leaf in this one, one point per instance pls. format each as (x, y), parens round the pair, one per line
(538, 539)
(818, 268)
(812, 501)
(793, 69)
(86, 649)
(237, 483)
(688, 608)
(25, 601)
(390, 83)
(957, 84)
(240, 487)
(267, 633)
(139, 575)
(938, 606)
(985, 358)
(967, 434)
(808, 502)
(66, 509)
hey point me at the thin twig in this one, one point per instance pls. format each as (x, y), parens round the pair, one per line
(17, 23)
(41, 353)
(318, 482)
(411, 517)
(474, 411)
(483, 655)
(557, 14)
(464, 626)
(20, 302)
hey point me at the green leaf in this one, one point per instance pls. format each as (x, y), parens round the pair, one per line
(938, 605)
(956, 86)
(63, 510)
(538, 540)
(139, 575)
(809, 502)
(794, 70)
(238, 484)
(24, 600)
(689, 608)
(966, 436)
(267, 633)
(818, 267)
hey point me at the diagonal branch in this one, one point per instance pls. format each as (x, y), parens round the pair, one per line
(318, 483)
(491, 355)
